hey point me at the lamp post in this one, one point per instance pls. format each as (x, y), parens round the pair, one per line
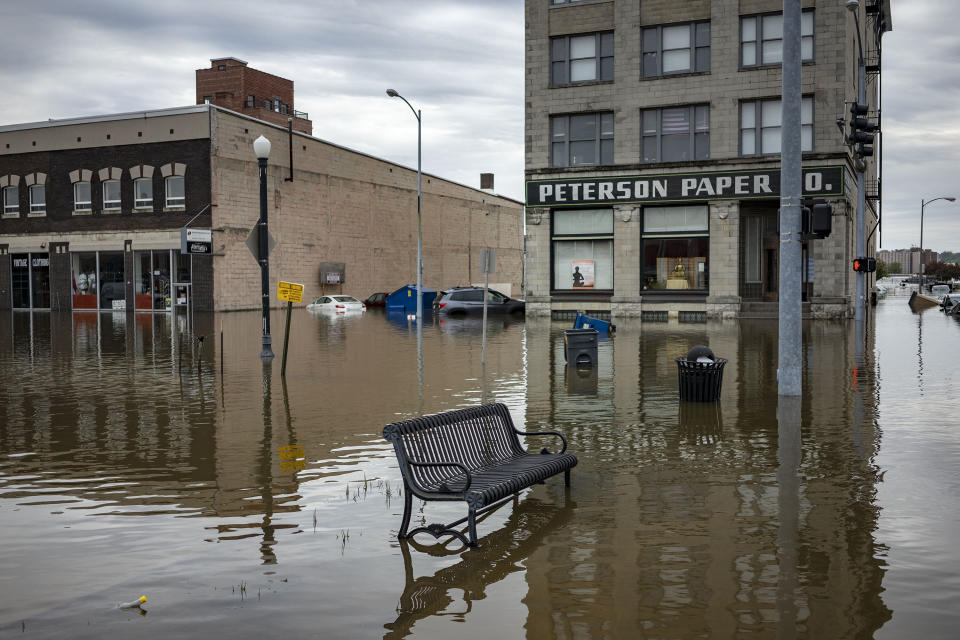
(416, 112)
(261, 148)
(924, 203)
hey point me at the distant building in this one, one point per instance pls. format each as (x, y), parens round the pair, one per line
(231, 84)
(94, 208)
(652, 154)
(909, 259)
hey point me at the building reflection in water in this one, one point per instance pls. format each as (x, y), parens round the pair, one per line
(711, 520)
(725, 519)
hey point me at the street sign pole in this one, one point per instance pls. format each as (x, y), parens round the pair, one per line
(291, 292)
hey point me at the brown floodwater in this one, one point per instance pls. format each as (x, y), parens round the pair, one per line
(134, 460)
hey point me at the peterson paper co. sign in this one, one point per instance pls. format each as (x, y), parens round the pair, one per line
(678, 187)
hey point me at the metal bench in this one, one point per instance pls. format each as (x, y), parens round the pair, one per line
(472, 455)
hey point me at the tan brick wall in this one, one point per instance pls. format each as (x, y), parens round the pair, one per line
(348, 207)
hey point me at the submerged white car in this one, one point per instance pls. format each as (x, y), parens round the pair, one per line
(337, 304)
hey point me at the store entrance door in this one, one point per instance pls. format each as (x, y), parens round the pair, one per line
(30, 280)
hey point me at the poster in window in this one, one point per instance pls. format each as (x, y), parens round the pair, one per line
(582, 274)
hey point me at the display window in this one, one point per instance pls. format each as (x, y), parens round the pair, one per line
(583, 249)
(675, 247)
(84, 280)
(30, 280)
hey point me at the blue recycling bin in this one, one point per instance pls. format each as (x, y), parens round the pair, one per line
(405, 299)
(586, 322)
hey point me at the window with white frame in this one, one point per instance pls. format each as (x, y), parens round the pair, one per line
(583, 249)
(676, 134)
(175, 192)
(761, 39)
(760, 126)
(81, 196)
(143, 193)
(11, 200)
(111, 195)
(38, 198)
(676, 48)
(675, 244)
(581, 58)
(581, 140)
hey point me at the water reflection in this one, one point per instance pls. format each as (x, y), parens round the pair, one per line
(144, 459)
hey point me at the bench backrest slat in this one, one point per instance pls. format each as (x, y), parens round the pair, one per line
(475, 437)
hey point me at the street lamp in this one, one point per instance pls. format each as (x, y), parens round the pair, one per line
(261, 149)
(416, 112)
(924, 203)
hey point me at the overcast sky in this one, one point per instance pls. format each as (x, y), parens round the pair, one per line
(460, 61)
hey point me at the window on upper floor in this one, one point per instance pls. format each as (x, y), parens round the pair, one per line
(38, 198)
(143, 193)
(581, 140)
(760, 126)
(761, 39)
(175, 192)
(81, 196)
(675, 134)
(111, 195)
(581, 58)
(11, 200)
(676, 48)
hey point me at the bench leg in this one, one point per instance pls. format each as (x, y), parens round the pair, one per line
(566, 477)
(472, 526)
(407, 508)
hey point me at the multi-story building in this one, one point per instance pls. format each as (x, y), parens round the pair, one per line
(652, 153)
(95, 208)
(908, 259)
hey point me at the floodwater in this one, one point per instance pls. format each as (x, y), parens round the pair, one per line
(134, 460)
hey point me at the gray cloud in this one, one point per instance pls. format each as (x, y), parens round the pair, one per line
(459, 61)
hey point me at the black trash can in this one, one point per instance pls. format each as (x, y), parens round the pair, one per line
(580, 346)
(700, 375)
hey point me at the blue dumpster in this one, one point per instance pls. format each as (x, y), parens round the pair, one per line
(586, 322)
(405, 299)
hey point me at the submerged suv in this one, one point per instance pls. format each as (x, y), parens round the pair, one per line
(469, 300)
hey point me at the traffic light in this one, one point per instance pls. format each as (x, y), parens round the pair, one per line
(861, 129)
(817, 218)
(866, 265)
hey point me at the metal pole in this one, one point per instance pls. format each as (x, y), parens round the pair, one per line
(286, 341)
(789, 374)
(267, 352)
(486, 287)
(419, 232)
(861, 166)
(922, 265)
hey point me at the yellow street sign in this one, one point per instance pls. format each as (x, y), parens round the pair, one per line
(290, 291)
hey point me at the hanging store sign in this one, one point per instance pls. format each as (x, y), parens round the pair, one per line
(678, 187)
(196, 240)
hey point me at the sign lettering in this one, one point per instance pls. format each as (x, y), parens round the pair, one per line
(290, 291)
(681, 187)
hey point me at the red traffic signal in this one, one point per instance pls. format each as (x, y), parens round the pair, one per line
(867, 265)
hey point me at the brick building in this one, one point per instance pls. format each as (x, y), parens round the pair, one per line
(652, 154)
(93, 210)
(231, 84)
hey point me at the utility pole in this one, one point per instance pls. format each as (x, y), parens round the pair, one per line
(790, 349)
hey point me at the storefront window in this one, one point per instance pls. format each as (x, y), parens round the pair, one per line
(20, 273)
(30, 277)
(111, 279)
(142, 289)
(161, 280)
(583, 249)
(84, 274)
(675, 243)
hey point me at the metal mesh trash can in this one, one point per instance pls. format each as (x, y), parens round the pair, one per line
(700, 381)
(580, 346)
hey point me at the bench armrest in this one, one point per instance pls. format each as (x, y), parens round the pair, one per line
(445, 464)
(544, 433)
